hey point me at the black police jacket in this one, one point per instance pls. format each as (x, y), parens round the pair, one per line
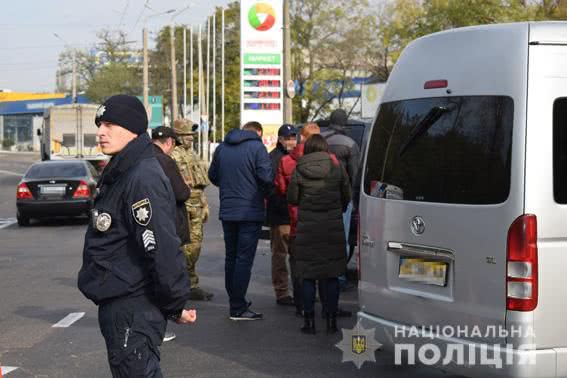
(139, 253)
(180, 190)
(277, 212)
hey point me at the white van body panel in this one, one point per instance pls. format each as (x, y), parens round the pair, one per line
(547, 82)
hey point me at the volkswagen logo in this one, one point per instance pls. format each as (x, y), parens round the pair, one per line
(417, 225)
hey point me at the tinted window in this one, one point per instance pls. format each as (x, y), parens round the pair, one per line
(447, 150)
(560, 150)
(59, 170)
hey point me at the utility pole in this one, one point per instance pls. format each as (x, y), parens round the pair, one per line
(146, 84)
(74, 78)
(145, 70)
(208, 123)
(74, 68)
(214, 79)
(222, 79)
(173, 74)
(288, 104)
(200, 63)
(191, 71)
(184, 71)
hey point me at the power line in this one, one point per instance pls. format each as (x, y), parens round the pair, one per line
(124, 12)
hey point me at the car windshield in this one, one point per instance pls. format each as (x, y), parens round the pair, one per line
(59, 170)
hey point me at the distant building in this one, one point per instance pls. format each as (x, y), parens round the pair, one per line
(21, 115)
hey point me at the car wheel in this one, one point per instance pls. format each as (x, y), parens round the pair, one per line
(22, 221)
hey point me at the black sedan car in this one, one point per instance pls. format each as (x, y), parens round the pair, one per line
(56, 188)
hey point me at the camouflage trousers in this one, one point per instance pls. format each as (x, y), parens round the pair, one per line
(193, 249)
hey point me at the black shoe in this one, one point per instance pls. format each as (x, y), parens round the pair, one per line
(308, 323)
(299, 313)
(285, 301)
(247, 315)
(198, 294)
(332, 324)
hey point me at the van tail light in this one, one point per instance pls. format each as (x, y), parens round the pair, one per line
(82, 191)
(522, 265)
(358, 270)
(23, 192)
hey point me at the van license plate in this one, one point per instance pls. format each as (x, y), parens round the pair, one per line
(428, 272)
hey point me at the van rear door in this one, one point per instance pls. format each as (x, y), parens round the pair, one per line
(546, 178)
(437, 204)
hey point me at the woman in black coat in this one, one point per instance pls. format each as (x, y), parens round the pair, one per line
(321, 189)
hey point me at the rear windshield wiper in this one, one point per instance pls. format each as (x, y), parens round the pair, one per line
(429, 120)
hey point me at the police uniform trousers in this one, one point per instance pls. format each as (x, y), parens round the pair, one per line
(133, 328)
(192, 250)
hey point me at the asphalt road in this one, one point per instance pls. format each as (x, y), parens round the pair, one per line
(38, 268)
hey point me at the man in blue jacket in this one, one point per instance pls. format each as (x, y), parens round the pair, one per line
(242, 170)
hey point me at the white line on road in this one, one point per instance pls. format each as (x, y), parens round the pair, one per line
(7, 222)
(68, 320)
(11, 173)
(7, 369)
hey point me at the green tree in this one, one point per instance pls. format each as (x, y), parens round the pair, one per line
(329, 39)
(106, 68)
(115, 78)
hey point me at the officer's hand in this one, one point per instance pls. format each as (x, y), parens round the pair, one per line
(187, 316)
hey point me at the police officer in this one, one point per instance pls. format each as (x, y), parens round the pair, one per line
(194, 172)
(133, 268)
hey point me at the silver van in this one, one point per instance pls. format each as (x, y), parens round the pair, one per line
(463, 212)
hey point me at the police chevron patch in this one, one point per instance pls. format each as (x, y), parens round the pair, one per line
(149, 240)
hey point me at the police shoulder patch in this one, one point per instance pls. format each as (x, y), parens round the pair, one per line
(142, 212)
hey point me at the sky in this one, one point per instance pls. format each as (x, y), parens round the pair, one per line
(29, 50)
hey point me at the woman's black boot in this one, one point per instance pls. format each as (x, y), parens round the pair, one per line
(309, 323)
(332, 323)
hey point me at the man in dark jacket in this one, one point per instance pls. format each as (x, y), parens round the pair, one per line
(348, 153)
(133, 268)
(277, 217)
(242, 170)
(343, 146)
(165, 140)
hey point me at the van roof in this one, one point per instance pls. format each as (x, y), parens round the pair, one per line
(476, 60)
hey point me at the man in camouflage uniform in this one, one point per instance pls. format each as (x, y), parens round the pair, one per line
(194, 172)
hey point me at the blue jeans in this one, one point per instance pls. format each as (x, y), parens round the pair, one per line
(328, 293)
(241, 241)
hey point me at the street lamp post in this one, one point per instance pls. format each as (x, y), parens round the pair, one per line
(145, 88)
(174, 115)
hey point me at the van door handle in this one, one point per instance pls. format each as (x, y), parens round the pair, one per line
(366, 241)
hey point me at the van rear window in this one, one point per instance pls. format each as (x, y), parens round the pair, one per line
(560, 150)
(444, 150)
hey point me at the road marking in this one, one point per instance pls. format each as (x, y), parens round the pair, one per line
(7, 222)
(7, 369)
(11, 173)
(68, 320)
